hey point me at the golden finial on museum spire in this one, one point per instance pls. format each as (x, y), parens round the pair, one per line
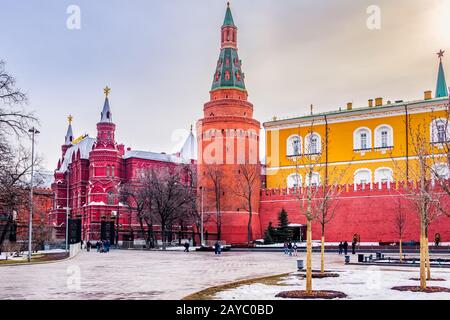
(106, 91)
(69, 119)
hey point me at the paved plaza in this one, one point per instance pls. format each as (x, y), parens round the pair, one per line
(136, 274)
(148, 275)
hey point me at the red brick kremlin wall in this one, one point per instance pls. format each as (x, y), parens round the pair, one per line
(370, 213)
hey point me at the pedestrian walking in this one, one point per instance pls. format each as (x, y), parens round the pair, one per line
(285, 246)
(295, 250)
(186, 246)
(341, 245)
(290, 249)
(216, 247)
(88, 246)
(354, 247)
(345, 247)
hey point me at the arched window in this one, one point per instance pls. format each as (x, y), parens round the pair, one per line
(441, 171)
(439, 131)
(313, 144)
(384, 137)
(294, 180)
(362, 139)
(312, 179)
(383, 175)
(363, 176)
(294, 146)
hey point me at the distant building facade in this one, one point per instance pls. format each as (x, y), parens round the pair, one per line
(88, 176)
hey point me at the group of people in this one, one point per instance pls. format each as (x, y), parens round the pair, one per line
(343, 247)
(102, 246)
(290, 249)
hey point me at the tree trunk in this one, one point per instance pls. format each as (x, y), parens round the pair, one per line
(322, 255)
(308, 257)
(249, 228)
(423, 279)
(401, 250)
(163, 236)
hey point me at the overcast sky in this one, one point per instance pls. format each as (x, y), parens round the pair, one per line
(158, 56)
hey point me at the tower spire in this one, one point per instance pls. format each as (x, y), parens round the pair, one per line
(69, 135)
(441, 86)
(228, 21)
(106, 115)
(228, 73)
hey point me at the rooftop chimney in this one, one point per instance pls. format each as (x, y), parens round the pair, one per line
(428, 95)
(378, 102)
(370, 103)
(349, 106)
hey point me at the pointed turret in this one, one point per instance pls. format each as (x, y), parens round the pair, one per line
(228, 17)
(228, 73)
(441, 87)
(105, 127)
(106, 115)
(69, 135)
(189, 150)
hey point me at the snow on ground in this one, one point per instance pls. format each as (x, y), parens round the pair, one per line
(359, 283)
(24, 254)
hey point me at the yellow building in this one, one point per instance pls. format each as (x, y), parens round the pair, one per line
(368, 145)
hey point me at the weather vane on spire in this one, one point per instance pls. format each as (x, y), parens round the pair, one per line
(228, 4)
(106, 91)
(70, 118)
(441, 54)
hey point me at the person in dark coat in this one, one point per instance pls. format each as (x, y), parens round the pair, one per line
(88, 246)
(354, 247)
(340, 247)
(186, 246)
(217, 248)
(345, 247)
(290, 248)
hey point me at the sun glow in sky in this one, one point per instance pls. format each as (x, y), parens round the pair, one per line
(158, 57)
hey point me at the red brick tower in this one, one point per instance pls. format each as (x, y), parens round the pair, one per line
(228, 140)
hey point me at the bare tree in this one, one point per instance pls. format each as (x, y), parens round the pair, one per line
(13, 120)
(400, 223)
(422, 195)
(214, 174)
(15, 162)
(248, 184)
(170, 199)
(135, 196)
(15, 167)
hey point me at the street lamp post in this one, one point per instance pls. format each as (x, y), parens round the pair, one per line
(67, 209)
(33, 132)
(201, 222)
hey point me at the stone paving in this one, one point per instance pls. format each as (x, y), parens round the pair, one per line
(136, 274)
(167, 275)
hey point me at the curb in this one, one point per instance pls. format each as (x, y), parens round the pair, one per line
(221, 287)
(38, 262)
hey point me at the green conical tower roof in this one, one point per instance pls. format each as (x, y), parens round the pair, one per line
(228, 17)
(228, 74)
(441, 87)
